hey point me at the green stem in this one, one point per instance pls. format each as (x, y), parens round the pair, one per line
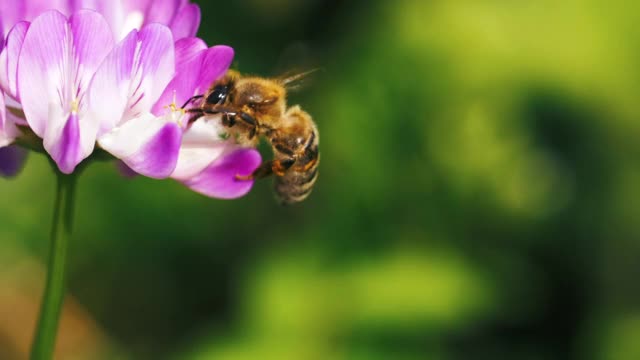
(45, 337)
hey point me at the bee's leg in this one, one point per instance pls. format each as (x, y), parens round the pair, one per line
(267, 168)
(228, 121)
(248, 119)
(198, 111)
(213, 110)
(197, 115)
(191, 99)
(228, 116)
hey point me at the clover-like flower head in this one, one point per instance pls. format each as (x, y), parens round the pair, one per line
(113, 74)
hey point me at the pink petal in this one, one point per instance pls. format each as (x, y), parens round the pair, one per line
(11, 12)
(39, 69)
(3, 120)
(9, 59)
(157, 61)
(69, 138)
(148, 145)
(125, 170)
(136, 5)
(108, 92)
(57, 60)
(14, 118)
(112, 10)
(92, 41)
(26, 10)
(8, 129)
(133, 76)
(158, 157)
(33, 8)
(187, 50)
(219, 179)
(215, 63)
(196, 78)
(12, 159)
(64, 145)
(5, 139)
(186, 22)
(161, 11)
(134, 15)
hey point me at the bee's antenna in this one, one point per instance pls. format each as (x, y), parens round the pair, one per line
(191, 99)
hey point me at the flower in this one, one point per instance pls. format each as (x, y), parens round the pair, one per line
(57, 61)
(121, 94)
(9, 50)
(208, 167)
(75, 81)
(181, 16)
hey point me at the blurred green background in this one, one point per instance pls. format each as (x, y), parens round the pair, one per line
(478, 199)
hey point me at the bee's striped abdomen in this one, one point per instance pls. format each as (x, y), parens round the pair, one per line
(296, 185)
(298, 182)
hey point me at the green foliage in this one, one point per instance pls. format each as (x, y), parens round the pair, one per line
(480, 166)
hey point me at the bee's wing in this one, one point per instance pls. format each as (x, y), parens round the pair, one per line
(294, 81)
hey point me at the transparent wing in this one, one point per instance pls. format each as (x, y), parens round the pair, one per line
(294, 80)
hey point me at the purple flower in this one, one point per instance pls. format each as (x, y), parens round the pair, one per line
(57, 61)
(121, 94)
(9, 50)
(77, 85)
(181, 16)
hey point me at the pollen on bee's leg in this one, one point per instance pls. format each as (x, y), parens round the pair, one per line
(244, 177)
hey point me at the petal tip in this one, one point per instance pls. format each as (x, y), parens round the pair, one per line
(224, 50)
(219, 179)
(65, 149)
(158, 157)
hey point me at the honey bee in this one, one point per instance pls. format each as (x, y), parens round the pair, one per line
(254, 107)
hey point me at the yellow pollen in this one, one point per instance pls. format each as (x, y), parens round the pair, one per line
(74, 106)
(173, 108)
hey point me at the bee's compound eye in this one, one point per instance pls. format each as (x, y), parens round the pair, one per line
(218, 95)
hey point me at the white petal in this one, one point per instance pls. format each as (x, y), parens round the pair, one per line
(147, 144)
(201, 145)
